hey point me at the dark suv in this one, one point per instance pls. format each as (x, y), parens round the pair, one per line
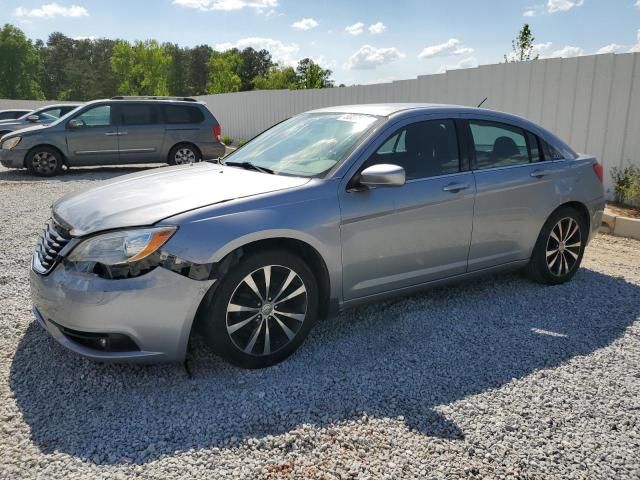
(122, 130)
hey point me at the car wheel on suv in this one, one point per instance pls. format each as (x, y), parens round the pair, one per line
(183, 154)
(262, 310)
(44, 162)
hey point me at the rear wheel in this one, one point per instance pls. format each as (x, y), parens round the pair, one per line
(44, 162)
(184, 154)
(262, 310)
(559, 248)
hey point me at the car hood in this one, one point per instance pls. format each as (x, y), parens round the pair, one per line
(22, 128)
(147, 197)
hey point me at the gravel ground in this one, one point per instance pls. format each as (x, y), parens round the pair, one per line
(491, 379)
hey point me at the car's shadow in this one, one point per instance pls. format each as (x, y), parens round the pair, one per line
(74, 174)
(398, 359)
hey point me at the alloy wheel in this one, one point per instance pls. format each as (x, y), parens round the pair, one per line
(266, 310)
(563, 246)
(44, 163)
(184, 156)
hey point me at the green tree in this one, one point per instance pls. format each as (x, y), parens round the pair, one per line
(141, 68)
(198, 69)
(255, 63)
(312, 75)
(223, 76)
(278, 78)
(178, 72)
(522, 46)
(19, 65)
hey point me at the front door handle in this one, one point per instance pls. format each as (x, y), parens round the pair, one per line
(111, 134)
(123, 133)
(455, 187)
(540, 173)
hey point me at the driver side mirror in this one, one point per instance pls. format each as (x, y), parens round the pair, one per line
(33, 118)
(383, 175)
(73, 124)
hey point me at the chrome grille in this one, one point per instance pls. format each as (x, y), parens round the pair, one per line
(52, 240)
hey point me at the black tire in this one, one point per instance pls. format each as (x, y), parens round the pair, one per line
(44, 162)
(184, 151)
(563, 265)
(220, 315)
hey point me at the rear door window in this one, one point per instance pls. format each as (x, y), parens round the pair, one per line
(138, 114)
(498, 144)
(180, 114)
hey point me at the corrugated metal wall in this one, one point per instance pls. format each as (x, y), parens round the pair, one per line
(592, 102)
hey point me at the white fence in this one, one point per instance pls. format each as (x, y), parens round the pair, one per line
(592, 102)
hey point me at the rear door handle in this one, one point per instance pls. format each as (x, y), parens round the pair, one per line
(455, 187)
(540, 173)
(123, 133)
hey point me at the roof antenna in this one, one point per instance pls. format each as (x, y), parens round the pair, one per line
(480, 104)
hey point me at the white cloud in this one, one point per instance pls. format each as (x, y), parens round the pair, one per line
(229, 5)
(562, 5)
(636, 47)
(529, 13)
(90, 37)
(567, 51)
(453, 46)
(638, 3)
(355, 29)
(368, 57)
(305, 24)
(611, 48)
(380, 27)
(51, 10)
(286, 54)
(469, 62)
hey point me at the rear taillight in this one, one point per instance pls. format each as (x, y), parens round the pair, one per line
(217, 132)
(598, 170)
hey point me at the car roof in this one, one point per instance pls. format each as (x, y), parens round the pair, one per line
(396, 110)
(57, 105)
(147, 100)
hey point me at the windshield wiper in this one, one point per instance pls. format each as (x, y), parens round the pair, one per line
(249, 166)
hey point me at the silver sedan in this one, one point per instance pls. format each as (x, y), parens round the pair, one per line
(326, 210)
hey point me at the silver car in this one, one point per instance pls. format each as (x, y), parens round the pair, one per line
(40, 116)
(326, 210)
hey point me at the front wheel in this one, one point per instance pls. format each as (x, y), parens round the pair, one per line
(262, 310)
(559, 249)
(44, 162)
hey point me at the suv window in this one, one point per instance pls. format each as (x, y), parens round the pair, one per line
(51, 113)
(423, 149)
(138, 114)
(96, 117)
(182, 114)
(498, 145)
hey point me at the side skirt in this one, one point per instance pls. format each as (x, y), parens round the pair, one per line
(507, 267)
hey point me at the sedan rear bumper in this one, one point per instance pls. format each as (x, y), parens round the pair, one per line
(153, 313)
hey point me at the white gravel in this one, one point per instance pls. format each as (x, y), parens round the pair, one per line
(498, 378)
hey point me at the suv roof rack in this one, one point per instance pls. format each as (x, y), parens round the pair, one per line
(145, 97)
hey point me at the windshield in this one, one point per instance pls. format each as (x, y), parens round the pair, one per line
(306, 145)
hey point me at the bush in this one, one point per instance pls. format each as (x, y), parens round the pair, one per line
(626, 183)
(226, 139)
(241, 142)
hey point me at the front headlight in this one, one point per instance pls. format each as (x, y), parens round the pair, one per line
(12, 142)
(121, 247)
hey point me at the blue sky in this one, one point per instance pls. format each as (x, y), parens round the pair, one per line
(361, 41)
